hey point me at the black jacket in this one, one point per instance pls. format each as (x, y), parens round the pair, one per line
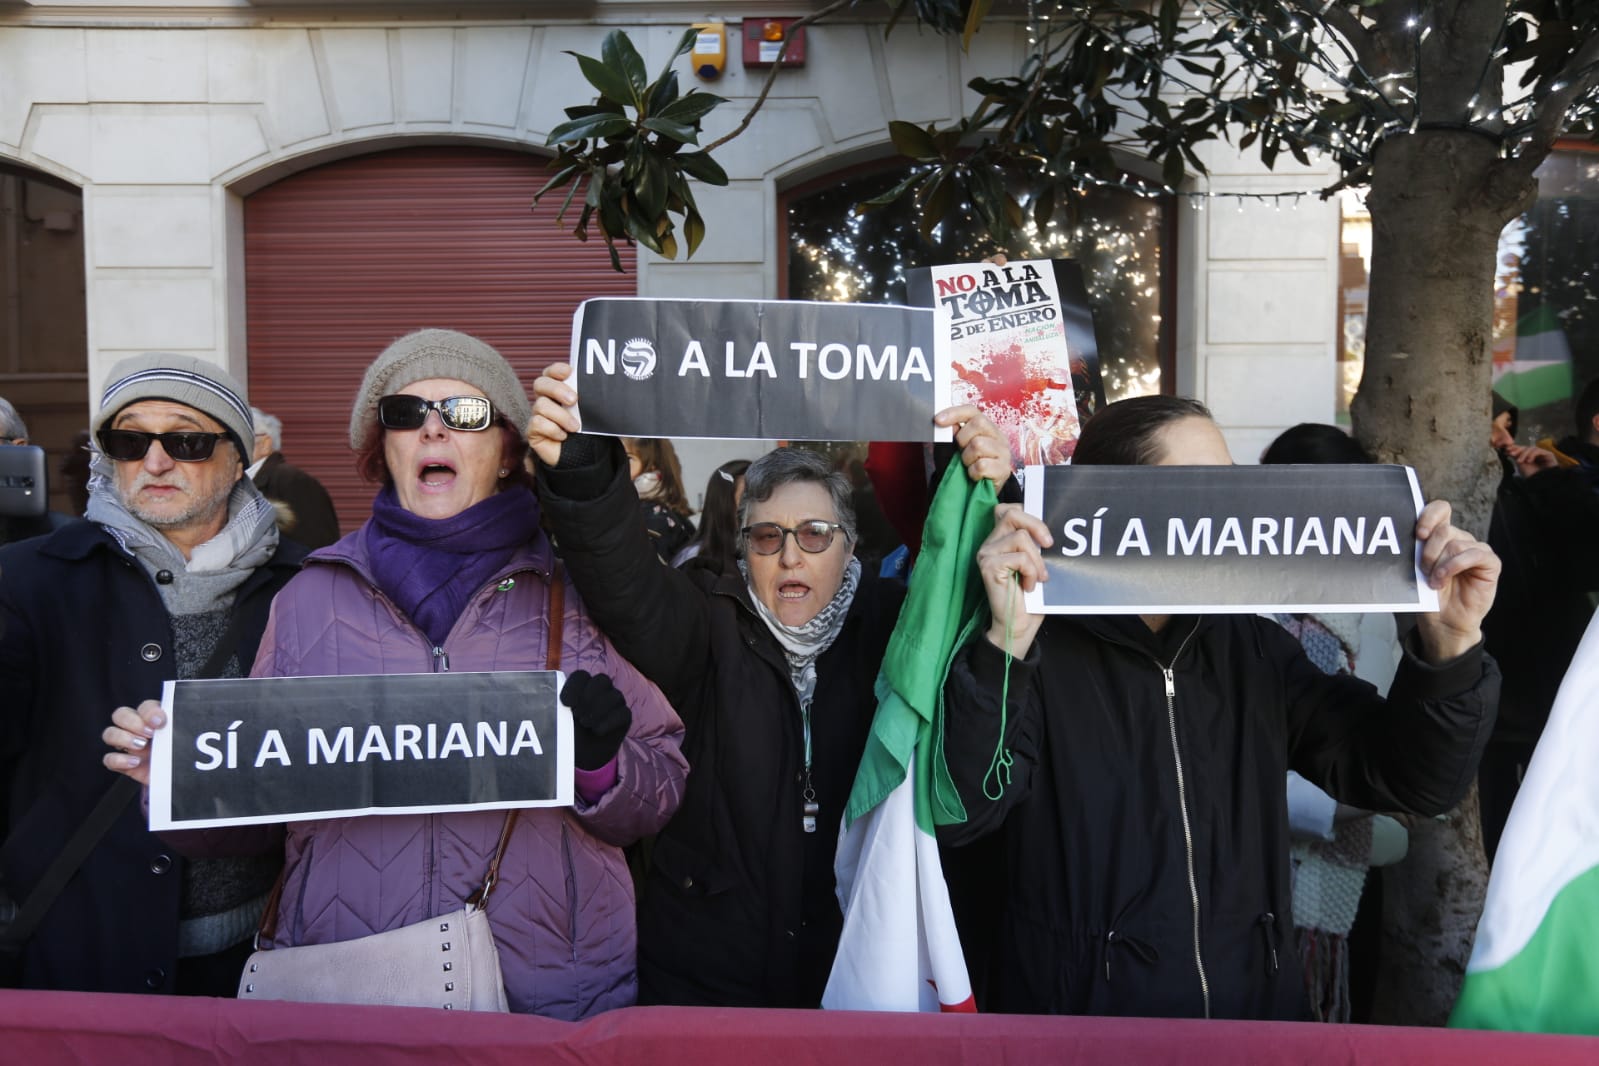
(1144, 815)
(313, 520)
(84, 631)
(739, 907)
(1545, 529)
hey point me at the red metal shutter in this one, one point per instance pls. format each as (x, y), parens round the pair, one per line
(341, 259)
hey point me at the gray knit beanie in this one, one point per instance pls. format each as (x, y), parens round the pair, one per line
(438, 353)
(186, 379)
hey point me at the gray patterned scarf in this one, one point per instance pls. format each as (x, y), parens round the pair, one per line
(802, 644)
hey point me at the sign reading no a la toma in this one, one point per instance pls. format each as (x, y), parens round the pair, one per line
(759, 369)
(283, 749)
(1228, 539)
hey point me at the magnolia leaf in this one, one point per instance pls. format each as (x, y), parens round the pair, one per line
(619, 54)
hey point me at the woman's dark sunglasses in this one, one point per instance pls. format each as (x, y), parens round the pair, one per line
(468, 413)
(130, 445)
(766, 538)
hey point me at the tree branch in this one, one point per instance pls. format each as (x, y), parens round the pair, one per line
(1362, 46)
(777, 65)
(1575, 79)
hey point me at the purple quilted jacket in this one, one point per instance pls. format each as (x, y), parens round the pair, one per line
(562, 911)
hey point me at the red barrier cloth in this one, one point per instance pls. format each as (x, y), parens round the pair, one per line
(78, 1028)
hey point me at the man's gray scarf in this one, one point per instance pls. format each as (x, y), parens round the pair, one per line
(205, 583)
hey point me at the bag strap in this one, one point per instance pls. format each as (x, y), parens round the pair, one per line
(555, 625)
(556, 615)
(61, 869)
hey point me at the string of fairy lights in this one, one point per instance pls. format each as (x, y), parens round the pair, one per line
(1299, 113)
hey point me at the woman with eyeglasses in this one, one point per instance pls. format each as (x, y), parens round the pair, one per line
(453, 572)
(771, 663)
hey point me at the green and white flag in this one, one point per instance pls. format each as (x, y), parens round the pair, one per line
(899, 949)
(1535, 966)
(1541, 372)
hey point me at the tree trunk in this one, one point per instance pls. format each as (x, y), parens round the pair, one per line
(1424, 401)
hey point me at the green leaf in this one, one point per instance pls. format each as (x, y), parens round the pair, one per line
(1170, 12)
(974, 19)
(1268, 152)
(662, 94)
(651, 188)
(911, 141)
(563, 176)
(694, 230)
(1044, 207)
(937, 198)
(684, 44)
(580, 129)
(701, 166)
(691, 108)
(612, 84)
(891, 195)
(1172, 171)
(643, 231)
(677, 131)
(619, 54)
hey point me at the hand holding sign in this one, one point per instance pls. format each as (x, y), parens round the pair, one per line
(129, 734)
(554, 413)
(1465, 573)
(1009, 556)
(983, 447)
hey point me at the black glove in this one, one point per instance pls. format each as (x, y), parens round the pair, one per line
(600, 718)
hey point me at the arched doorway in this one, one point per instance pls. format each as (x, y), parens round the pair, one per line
(44, 327)
(343, 258)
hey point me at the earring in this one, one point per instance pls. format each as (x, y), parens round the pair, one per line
(504, 472)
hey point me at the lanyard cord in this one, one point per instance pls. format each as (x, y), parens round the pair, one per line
(999, 766)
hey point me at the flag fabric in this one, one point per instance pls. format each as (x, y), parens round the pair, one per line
(899, 949)
(1535, 963)
(1540, 374)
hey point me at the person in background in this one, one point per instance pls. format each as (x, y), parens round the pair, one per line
(1545, 526)
(15, 527)
(453, 572)
(772, 664)
(1135, 765)
(658, 480)
(305, 510)
(716, 543)
(169, 576)
(12, 429)
(1335, 844)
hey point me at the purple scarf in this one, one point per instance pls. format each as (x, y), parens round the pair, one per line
(431, 567)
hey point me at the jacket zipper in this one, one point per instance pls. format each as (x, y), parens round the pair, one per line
(441, 660)
(1182, 806)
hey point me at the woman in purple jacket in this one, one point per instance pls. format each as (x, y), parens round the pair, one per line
(452, 573)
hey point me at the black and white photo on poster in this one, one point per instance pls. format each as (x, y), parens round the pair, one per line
(253, 750)
(1228, 539)
(758, 369)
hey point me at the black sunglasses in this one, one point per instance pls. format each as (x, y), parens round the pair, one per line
(130, 445)
(766, 538)
(468, 413)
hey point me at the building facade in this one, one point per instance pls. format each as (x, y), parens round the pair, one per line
(284, 187)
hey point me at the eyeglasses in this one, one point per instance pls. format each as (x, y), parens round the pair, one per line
(130, 445)
(766, 538)
(468, 413)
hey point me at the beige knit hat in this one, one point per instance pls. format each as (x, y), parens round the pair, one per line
(186, 379)
(438, 353)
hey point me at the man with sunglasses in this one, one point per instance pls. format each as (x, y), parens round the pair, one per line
(169, 575)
